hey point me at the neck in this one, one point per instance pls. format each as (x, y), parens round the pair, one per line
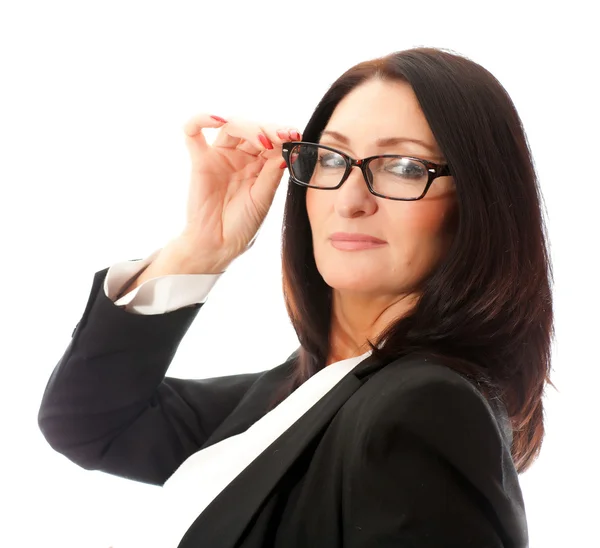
(357, 318)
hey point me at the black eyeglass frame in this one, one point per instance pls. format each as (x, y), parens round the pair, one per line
(433, 170)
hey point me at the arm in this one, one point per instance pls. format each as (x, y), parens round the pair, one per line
(108, 405)
(432, 471)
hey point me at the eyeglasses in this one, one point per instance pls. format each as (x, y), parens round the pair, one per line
(388, 176)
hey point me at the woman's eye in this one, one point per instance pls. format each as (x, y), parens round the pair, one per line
(404, 169)
(331, 160)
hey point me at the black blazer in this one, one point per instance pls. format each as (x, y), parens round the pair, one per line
(404, 454)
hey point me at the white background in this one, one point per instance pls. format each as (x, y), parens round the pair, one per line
(93, 170)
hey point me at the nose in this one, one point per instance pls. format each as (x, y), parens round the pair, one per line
(353, 197)
(356, 178)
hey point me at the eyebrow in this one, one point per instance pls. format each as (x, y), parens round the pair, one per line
(383, 142)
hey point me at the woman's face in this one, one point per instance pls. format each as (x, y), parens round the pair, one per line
(416, 233)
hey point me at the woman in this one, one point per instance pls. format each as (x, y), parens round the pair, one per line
(417, 277)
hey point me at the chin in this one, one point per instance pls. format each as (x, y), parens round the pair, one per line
(350, 280)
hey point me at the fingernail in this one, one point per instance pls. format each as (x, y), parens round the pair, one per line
(264, 141)
(283, 165)
(219, 119)
(295, 135)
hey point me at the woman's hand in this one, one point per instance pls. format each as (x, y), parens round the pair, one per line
(232, 186)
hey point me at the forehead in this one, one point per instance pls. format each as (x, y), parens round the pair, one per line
(380, 109)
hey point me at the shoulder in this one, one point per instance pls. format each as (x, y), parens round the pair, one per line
(425, 458)
(430, 385)
(435, 404)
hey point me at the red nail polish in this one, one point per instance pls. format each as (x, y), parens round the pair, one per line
(295, 135)
(265, 142)
(219, 119)
(283, 165)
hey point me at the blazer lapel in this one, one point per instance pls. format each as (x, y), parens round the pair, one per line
(224, 520)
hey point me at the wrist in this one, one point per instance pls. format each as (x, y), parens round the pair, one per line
(178, 257)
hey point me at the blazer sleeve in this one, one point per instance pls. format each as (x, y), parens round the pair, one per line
(108, 405)
(432, 470)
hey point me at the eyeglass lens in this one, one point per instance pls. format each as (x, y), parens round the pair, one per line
(396, 177)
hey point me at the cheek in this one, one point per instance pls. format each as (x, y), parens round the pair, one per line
(425, 229)
(421, 217)
(315, 208)
(309, 204)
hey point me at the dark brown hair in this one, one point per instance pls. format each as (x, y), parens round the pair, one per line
(486, 309)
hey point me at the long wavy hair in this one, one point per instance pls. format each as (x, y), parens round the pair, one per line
(486, 309)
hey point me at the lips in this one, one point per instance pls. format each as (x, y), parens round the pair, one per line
(355, 237)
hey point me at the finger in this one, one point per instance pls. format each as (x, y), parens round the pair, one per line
(248, 147)
(279, 134)
(194, 126)
(236, 130)
(264, 188)
(261, 136)
(200, 121)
